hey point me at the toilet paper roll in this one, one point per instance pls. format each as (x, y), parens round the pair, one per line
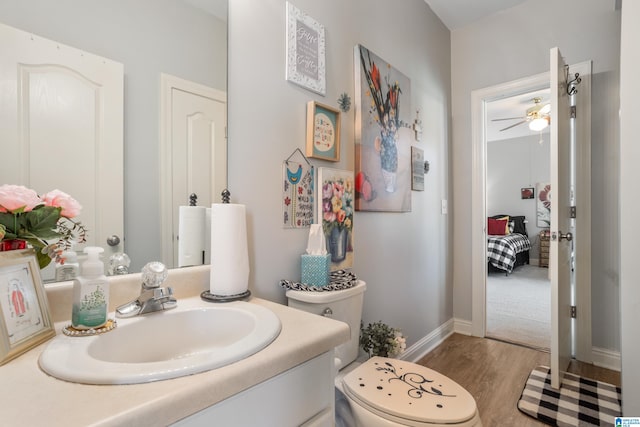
(191, 235)
(229, 252)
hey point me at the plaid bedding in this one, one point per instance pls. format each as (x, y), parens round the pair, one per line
(502, 250)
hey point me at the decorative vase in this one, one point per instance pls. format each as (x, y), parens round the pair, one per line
(12, 245)
(389, 161)
(338, 244)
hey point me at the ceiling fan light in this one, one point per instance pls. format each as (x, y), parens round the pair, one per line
(538, 124)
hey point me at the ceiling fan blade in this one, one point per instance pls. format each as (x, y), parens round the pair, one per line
(545, 110)
(514, 125)
(507, 118)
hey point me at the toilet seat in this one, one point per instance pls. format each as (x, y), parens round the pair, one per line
(408, 394)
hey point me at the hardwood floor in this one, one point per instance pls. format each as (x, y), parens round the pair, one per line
(495, 372)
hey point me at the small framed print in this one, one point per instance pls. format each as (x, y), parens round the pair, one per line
(323, 132)
(417, 169)
(305, 51)
(26, 321)
(527, 193)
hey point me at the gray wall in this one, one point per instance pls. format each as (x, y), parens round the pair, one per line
(149, 37)
(513, 164)
(405, 258)
(513, 44)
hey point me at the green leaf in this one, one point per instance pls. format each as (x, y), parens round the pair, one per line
(43, 222)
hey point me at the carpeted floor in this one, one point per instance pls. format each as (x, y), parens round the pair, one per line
(579, 402)
(519, 306)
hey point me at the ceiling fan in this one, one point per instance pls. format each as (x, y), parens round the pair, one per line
(537, 116)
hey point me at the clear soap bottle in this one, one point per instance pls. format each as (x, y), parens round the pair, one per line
(90, 293)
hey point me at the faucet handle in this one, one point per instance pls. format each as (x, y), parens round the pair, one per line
(153, 274)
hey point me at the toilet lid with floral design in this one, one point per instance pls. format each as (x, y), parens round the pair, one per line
(407, 391)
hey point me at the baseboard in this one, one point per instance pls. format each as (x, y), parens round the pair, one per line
(463, 327)
(606, 358)
(425, 345)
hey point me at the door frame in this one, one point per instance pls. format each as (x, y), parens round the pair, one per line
(479, 99)
(168, 83)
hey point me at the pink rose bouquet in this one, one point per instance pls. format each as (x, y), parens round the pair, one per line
(45, 222)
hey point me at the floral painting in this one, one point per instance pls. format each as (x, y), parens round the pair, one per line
(335, 213)
(543, 205)
(383, 135)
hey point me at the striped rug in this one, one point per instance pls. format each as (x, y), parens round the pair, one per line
(579, 402)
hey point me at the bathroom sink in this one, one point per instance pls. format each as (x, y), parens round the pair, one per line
(195, 337)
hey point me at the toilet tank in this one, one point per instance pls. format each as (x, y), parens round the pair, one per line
(344, 305)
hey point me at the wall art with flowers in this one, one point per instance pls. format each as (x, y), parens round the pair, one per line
(383, 135)
(335, 213)
(543, 205)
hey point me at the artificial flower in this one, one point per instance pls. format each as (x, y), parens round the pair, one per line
(45, 223)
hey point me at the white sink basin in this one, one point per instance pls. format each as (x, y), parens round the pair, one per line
(194, 337)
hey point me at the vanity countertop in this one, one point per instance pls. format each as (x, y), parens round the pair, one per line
(29, 397)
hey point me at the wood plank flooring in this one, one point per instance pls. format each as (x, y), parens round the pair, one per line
(495, 372)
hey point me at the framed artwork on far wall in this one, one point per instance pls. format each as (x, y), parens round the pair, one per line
(323, 132)
(527, 193)
(417, 169)
(26, 321)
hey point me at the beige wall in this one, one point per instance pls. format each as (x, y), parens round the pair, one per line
(405, 258)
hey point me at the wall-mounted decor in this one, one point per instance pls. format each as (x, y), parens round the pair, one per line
(297, 191)
(543, 205)
(24, 310)
(383, 135)
(323, 132)
(335, 213)
(305, 51)
(527, 193)
(417, 169)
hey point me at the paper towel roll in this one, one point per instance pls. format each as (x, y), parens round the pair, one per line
(229, 252)
(207, 237)
(191, 235)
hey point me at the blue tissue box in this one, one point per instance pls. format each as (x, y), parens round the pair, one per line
(315, 269)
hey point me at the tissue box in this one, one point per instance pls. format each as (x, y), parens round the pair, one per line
(315, 269)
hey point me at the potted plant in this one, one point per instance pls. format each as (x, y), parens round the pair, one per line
(380, 339)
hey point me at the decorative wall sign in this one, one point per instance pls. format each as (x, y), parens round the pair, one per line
(297, 192)
(323, 132)
(417, 169)
(543, 205)
(305, 51)
(335, 213)
(24, 310)
(383, 135)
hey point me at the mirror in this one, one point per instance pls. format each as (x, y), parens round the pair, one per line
(182, 38)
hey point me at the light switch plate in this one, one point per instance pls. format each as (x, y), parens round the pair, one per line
(445, 208)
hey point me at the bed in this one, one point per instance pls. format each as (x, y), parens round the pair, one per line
(508, 243)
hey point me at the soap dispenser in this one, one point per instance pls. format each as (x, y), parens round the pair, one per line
(90, 293)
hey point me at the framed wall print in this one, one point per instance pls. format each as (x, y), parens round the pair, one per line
(26, 321)
(305, 51)
(323, 132)
(417, 169)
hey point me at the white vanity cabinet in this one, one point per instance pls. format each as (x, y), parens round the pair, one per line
(301, 396)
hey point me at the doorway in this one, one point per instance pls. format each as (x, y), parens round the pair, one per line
(518, 297)
(582, 297)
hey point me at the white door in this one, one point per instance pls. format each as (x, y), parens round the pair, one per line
(560, 245)
(62, 128)
(193, 129)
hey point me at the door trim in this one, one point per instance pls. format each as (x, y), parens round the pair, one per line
(479, 98)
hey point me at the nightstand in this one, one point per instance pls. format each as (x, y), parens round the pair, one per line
(543, 256)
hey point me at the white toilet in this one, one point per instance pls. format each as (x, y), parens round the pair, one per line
(384, 391)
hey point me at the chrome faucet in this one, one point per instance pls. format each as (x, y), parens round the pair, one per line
(152, 296)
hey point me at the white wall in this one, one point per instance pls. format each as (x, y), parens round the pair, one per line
(513, 164)
(149, 37)
(629, 207)
(513, 44)
(403, 257)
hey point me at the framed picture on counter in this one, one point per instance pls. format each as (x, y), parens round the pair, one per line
(26, 321)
